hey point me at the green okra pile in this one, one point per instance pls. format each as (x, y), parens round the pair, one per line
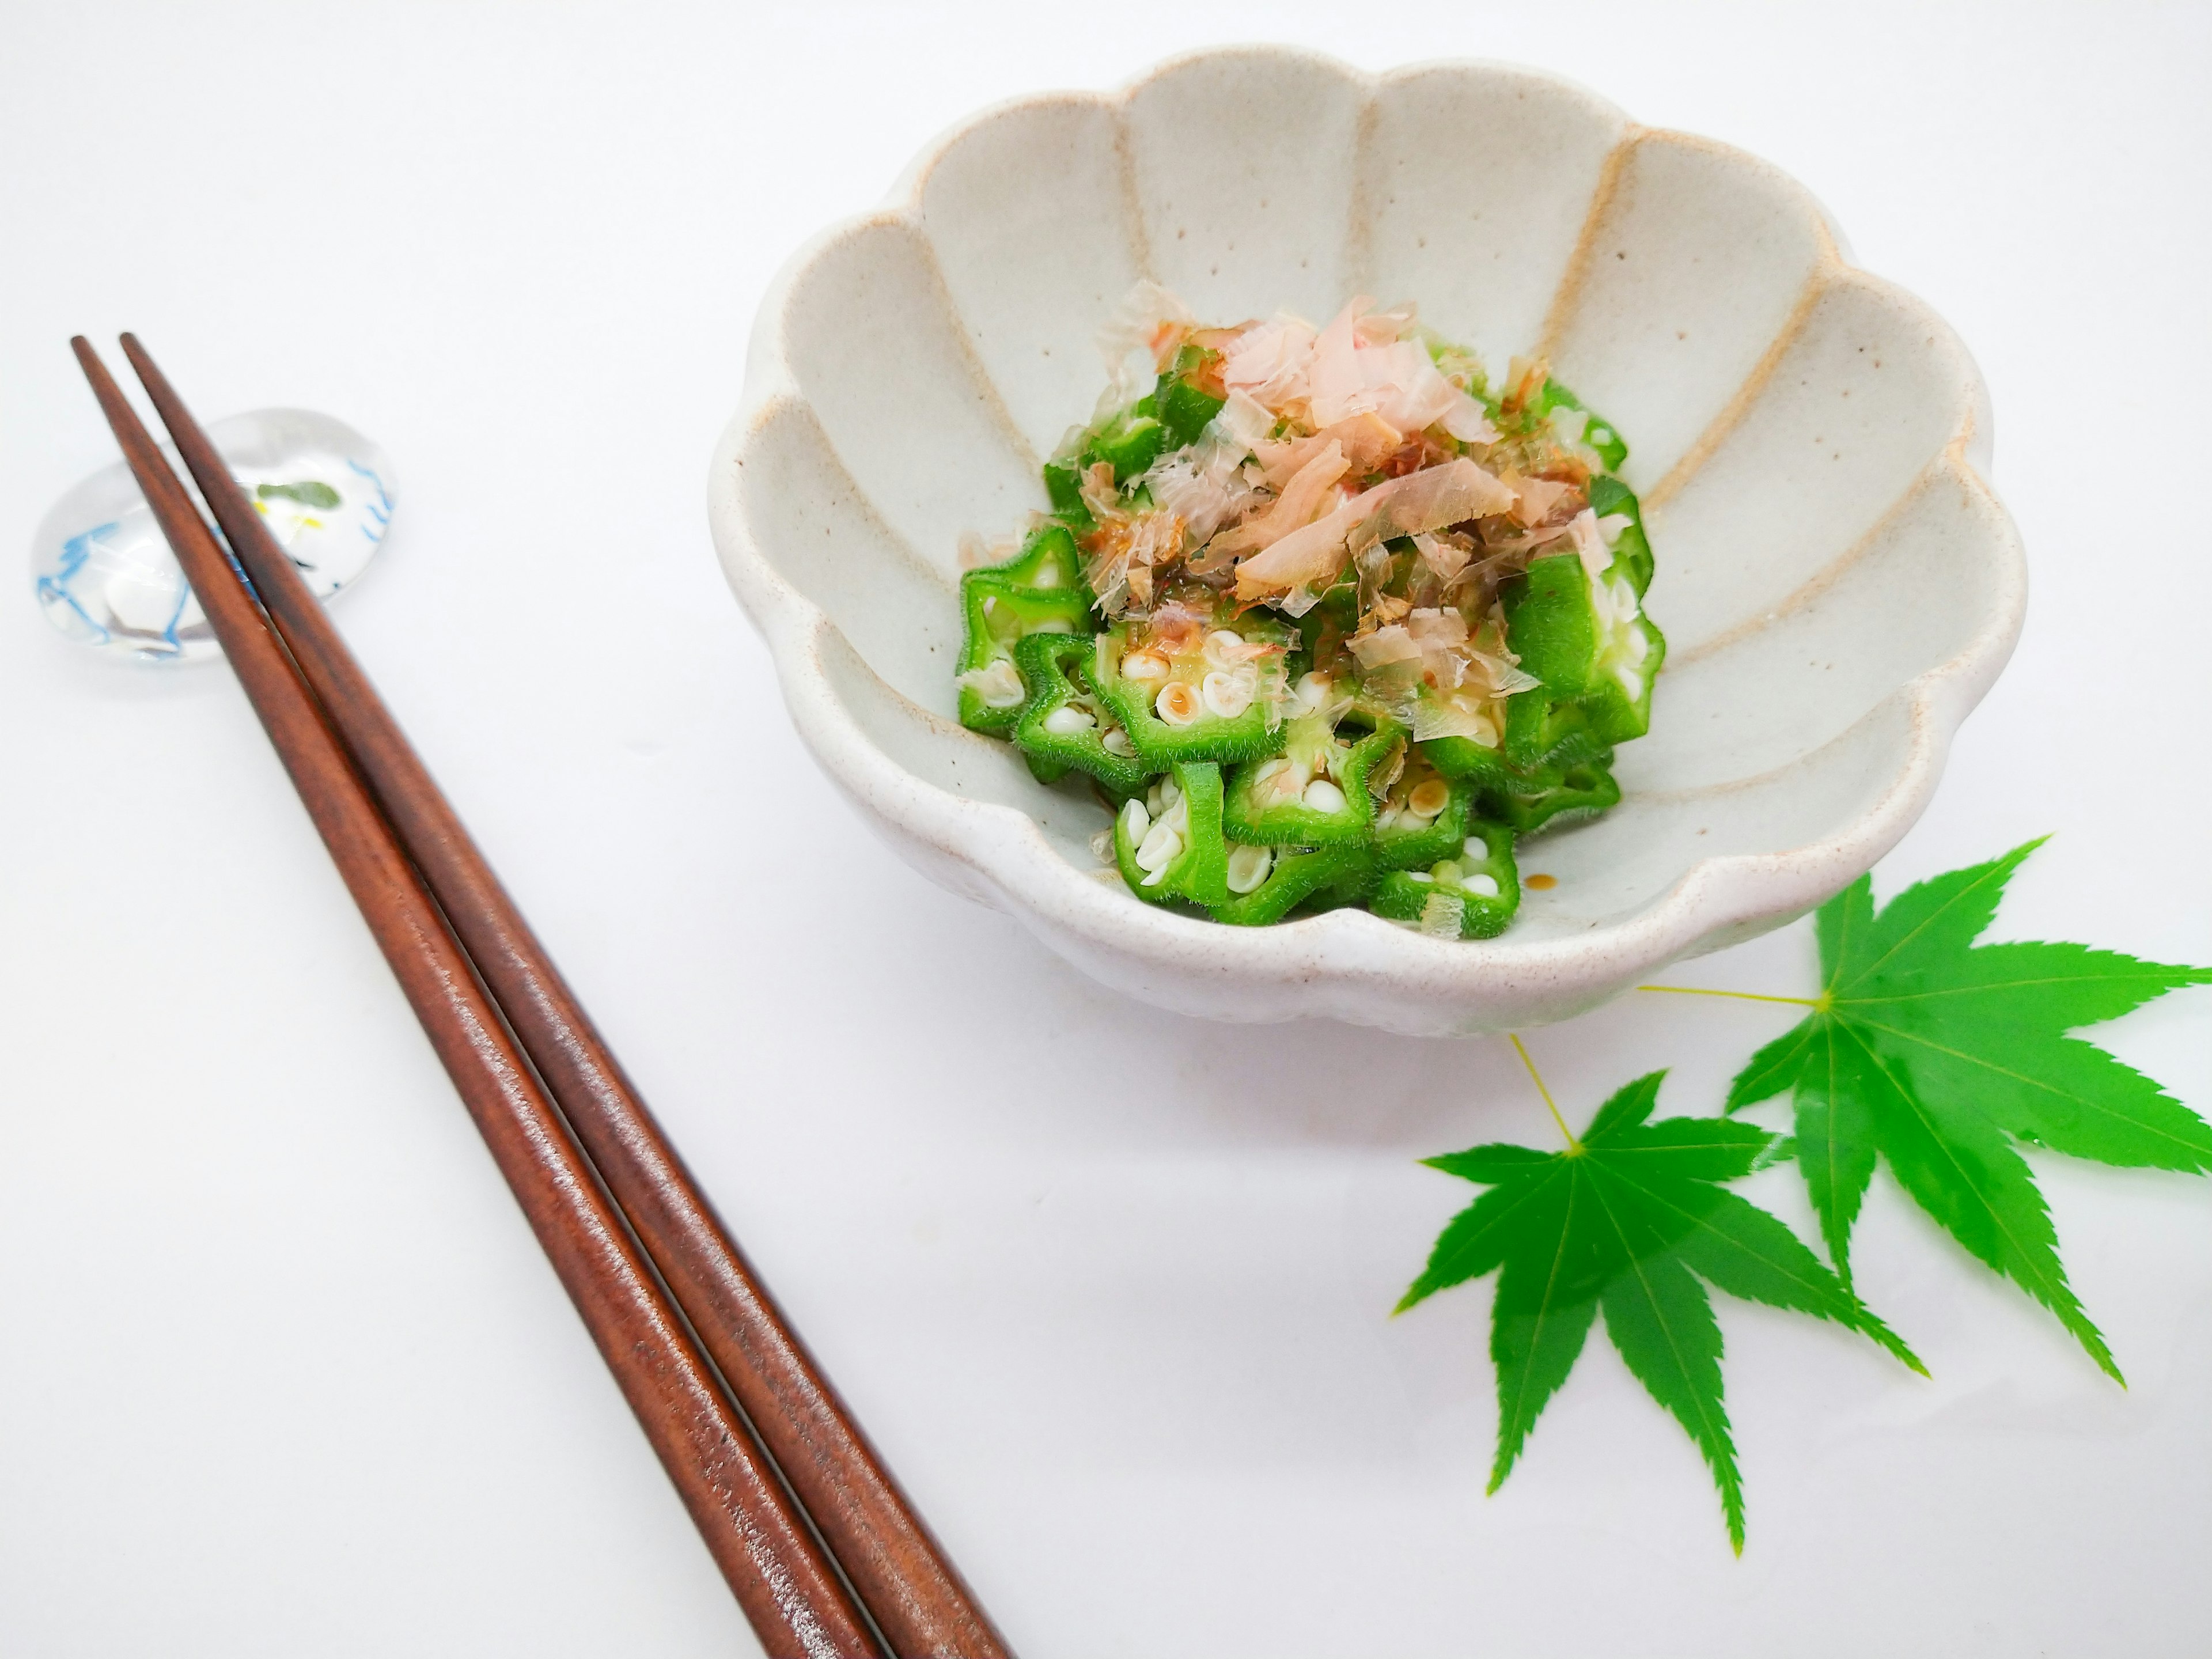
(1325, 618)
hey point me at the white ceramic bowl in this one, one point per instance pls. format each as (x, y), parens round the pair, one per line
(1838, 583)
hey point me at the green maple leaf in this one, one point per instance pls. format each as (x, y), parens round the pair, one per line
(1631, 1219)
(1937, 1055)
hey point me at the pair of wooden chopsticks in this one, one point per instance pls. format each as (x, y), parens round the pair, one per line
(824, 1554)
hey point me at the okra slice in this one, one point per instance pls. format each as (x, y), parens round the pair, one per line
(1180, 398)
(1471, 895)
(1049, 562)
(1545, 734)
(1588, 639)
(1063, 487)
(1465, 759)
(1064, 725)
(1350, 892)
(1266, 884)
(997, 617)
(1576, 795)
(1620, 708)
(1422, 819)
(1333, 618)
(1609, 498)
(1211, 696)
(1539, 732)
(1575, 420)
(1132, 440)
(1315, 792)
(1168, 842)
(1497, 780)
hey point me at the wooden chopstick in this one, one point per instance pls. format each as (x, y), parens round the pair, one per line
(786, 1586)
(913, 1592)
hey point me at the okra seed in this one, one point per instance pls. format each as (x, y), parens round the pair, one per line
(1178, 703)
(1226, 696)
(1481, 885)
(1223, 646)
(1430, 797)
(1248, 867)
(1116, 742)
(1135, 820)
(1630, 681)
(1418, 875)
(998, 683)
(1047, 575)
(1475, 848)
(1322, 796)
(1639, 646)
(1446, 871)
(1067, 720)
(1313, 690)
(1162, 847)
(1144, 665)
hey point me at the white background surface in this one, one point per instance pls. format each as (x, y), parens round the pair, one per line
(281, 1370)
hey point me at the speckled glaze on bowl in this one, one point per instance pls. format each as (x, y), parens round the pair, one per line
(1838, 582)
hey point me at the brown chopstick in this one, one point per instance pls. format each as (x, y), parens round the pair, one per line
(789, 1589)
(913, 1592)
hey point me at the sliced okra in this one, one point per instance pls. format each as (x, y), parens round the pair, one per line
(1315, 792)
(1266, 884)
(1063, 487)
(1466, 760)
(1588, 639)
(1333, 618)
(1577, 423)
(1065, 725)
(1208, 698)
(1351, 890)
(1422, 819)
(1575, 795)
(1049, 562)
(1471, 895)
(1167, 842)
(1545, 733)
(1180, 398)
(1172, 414)
(1132, 440)
(997, 617)
(1609, 498)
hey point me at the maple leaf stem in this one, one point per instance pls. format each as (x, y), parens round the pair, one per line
(1537, 1077)
(1742, 996)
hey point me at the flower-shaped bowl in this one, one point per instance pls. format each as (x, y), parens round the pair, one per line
(1838, 582)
